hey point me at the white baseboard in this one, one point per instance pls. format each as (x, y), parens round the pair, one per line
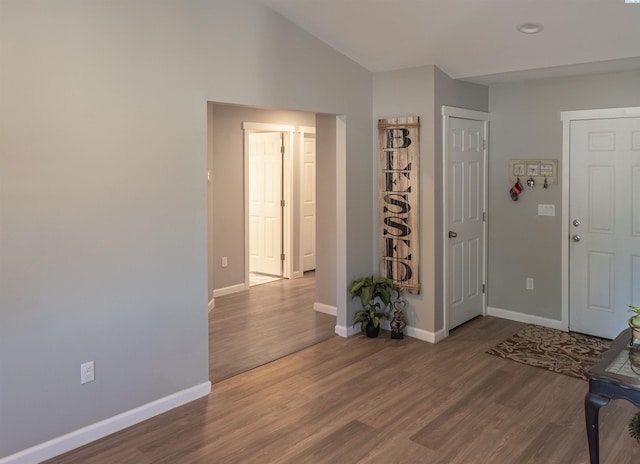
(212, 304)
(413, 332)
(81, 437)
(527, 318)
(344, 331)
(425, 335)
(323, 308)
(229, 290)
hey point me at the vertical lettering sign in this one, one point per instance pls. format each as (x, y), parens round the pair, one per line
(398, 201)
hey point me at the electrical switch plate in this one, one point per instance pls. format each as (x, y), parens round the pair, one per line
(225, 262)
(529, 283)
(86, 372)
(546, 210)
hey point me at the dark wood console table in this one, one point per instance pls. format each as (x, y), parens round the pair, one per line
(612, 378)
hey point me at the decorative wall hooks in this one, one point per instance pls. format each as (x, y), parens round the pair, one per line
(544, 171)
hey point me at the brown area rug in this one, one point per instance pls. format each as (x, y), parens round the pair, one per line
(567, 353)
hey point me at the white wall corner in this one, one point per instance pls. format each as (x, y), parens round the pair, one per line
(81, 437)
(327, 309)
(527, 318)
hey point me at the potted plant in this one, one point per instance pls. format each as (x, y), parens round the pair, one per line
(634, 323)
(634, 427)
(375, 295)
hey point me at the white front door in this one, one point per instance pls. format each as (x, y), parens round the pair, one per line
(465, 158)
(265, 203)
(604, 215)
(308, 190)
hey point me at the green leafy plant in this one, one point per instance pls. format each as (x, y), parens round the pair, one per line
(376, 295)
(634, 427)
(635, 320)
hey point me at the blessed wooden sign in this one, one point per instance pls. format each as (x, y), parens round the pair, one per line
(398, 201)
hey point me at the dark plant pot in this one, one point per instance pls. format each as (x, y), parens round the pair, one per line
(372, 331)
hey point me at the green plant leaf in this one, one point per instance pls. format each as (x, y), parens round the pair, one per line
(634, 427)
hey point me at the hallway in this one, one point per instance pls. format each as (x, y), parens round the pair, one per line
(251, 328)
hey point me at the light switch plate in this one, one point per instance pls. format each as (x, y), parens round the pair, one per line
(546, 210)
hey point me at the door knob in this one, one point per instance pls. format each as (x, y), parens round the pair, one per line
(452, 234)
(576, 238)
(576, 222)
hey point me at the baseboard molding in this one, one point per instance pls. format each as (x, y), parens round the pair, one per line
(81, 437)
(323, 308)
(413, 332)
(527, 318)
(229, 290)
(343, 331)
(419, 334)
(212, 304)
(425, 335)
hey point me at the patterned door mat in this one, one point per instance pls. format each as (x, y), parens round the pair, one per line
(567, 353)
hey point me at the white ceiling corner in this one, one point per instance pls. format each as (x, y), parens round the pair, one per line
(476, 40)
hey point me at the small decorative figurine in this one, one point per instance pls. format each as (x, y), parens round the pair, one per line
(398, 323)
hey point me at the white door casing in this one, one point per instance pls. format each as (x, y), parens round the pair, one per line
(465, 165)
(604, 224)
(308, 201)
(265, 202)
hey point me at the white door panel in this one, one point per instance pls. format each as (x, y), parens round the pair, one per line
(308, 189)
(604, 251)
(465, 176)
(265, 207)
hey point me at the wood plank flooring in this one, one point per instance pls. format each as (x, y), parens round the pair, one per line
(360, 400)
(251, 328)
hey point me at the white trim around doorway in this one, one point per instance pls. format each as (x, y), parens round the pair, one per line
(566, 117)
(462, 113)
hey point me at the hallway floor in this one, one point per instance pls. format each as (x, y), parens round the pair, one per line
(254, 327)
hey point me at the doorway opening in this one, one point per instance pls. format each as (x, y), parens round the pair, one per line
(464, 166)
(308, 284)
(600, 219)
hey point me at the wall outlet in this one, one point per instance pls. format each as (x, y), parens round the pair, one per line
(86, 372)
(529, 283)
(225, 262)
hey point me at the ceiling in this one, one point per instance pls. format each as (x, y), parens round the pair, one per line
(476, 40)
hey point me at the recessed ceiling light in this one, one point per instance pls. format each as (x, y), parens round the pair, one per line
(530, 28)
(632, 1)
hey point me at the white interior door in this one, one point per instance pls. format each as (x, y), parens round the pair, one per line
(265, 203)
(308, 190)
(604, 211)
(465, 158)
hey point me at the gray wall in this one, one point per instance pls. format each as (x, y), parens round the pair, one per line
(525, 123)
(326, 210)
(422, 91)
(103, 218)
(410, 92)
(227, 185)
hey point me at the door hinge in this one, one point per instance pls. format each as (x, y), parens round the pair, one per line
(282, 203)
(282, 149)
(282, 257)
(484, 216)
(484, 288)
(484, 144)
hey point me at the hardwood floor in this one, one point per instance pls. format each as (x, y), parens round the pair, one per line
(360, 400)
(254, 327)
